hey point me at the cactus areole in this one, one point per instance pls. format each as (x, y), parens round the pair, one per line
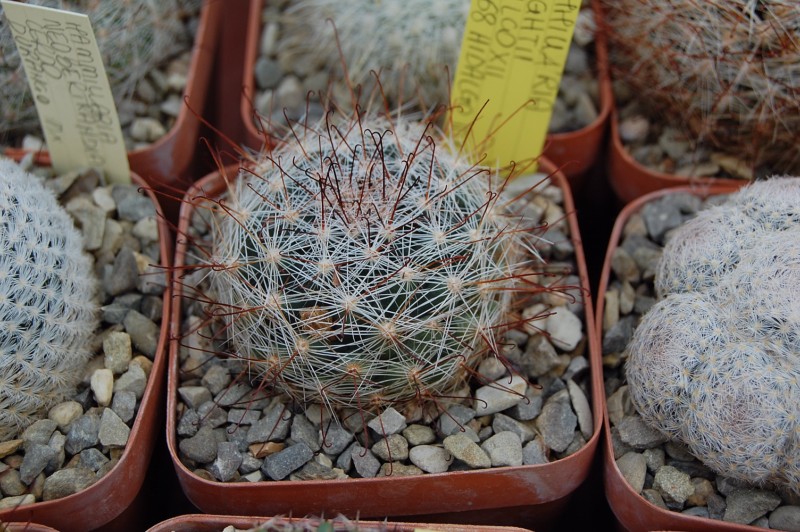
(364, 264)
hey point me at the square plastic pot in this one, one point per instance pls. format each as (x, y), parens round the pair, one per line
(572, 152)
(632, 511)
(106, 499)
(526, 495)
(215, 523)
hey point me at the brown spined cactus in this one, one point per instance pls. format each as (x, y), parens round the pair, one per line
(727, 72)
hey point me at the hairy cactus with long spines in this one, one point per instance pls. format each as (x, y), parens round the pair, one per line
(366, 263)
(716, 362)
(134, 37)
(727, 72)
(48, 311)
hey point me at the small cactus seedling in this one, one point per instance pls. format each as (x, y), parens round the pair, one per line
(48, 311)
(715, 362)
(134, 36)
(365, 263)
(725, 71)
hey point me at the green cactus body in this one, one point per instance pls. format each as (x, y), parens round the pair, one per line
(364, 264)
(48, 311)
(715, 364)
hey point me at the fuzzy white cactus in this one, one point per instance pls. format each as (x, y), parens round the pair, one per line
(48, 311)
(715, 363)
(364, 263)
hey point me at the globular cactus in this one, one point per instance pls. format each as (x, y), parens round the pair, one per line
(716, 364)
(134, 37)
(409, 43)
(726, 71)
(365, 263)
(48, 310)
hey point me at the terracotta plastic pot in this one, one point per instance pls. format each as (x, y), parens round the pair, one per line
(166, 164)
(526, 495)
(26, 527)
(576, 151)
(573, 152)
(632, 511)
(630, 179)
(111, 495)
(215, 523)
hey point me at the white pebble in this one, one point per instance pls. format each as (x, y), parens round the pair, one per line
(102, 385)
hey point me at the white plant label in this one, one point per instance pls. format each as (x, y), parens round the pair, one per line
(70, 88)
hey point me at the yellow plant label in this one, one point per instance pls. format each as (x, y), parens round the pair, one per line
(70, 89)
(509, 70)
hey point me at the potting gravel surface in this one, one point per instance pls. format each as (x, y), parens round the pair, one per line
(82, 439)
(283, 77)
(230, 430)
(663, 471)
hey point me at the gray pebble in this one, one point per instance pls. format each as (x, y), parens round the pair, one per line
(454, 419)
(673, 485)
(202, 447)
(124, 405)
(534, 452)
(540, 356)
(243, 416)
(364, 462)
(746, 505)
(274, 426)
(528, 408)
(624, 267)
(233, 394)
(37, 457)
(212, 415)
(39, 431)
(557, 424)
(90, 218)
(267, 73)
(419, 435)
(66, 482)
(389, 422)
(633, 467)
(399, 470)
(393, 448)
(500, 395)
(304, 431)
(636, 433)
(227, 462)
(194, 396)
(131, 204)
(504, 423)
(117, 351)
(619, 336)
(335, 439)
(504, 449)
(188, 423)
(785, 518)
(660, 217)
(92, 459)
(134, 380)
(113, 432)
(279, 465)
(430, 458)
(249, 464)
(123, 275)
(216, 379)
(580, 405)
(83, 433)
(466, 450)
(143, 332)
(152, 308)
(11, 483)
